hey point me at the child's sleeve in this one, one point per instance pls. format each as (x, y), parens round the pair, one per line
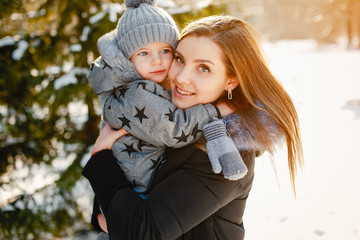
(144, 109)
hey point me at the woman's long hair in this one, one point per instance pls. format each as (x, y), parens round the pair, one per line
(243, 60)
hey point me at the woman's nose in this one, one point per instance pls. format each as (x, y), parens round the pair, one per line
(184, 77)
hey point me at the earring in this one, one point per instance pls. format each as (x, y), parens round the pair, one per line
(229, 94)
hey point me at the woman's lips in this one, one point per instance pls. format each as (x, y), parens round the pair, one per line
(183, 92)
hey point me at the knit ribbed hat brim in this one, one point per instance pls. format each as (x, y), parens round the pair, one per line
(143, 25)
(147, 34)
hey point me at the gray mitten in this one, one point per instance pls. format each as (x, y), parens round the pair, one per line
(222, 152)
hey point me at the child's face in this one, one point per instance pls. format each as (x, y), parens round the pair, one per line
(153, 61)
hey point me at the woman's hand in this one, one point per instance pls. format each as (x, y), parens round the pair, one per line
(102, 222)
(224, 109)
(107, 138)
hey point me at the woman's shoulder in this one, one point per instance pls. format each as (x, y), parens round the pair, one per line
(174, 160)
(196, 162)
(193, 155)
(177, 158)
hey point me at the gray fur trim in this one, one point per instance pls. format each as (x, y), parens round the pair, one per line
(243, 136)
(136, 3)
(108, 48)
(122, 67)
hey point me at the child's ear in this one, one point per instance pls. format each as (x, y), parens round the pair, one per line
(232, 83)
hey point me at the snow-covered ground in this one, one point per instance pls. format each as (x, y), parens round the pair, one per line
(324, 82)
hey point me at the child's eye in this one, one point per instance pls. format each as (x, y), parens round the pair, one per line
(204, 69)
(142, 53)
(179, 60)
(166, 51)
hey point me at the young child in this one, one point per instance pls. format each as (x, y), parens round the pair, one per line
(141, 47)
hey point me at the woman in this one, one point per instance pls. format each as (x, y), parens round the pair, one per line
(187, 200)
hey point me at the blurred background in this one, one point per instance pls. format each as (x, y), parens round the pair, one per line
(49, 115)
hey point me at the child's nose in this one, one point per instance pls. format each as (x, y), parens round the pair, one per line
(156, 60)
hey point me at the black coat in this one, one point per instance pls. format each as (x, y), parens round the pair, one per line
(186, 199)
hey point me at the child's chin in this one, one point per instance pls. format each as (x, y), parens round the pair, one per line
(157, 80)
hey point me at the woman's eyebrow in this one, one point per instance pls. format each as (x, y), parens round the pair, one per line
(176, 52)
(204, 60)
(197, 60)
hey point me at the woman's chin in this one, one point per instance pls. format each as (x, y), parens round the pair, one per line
(182, 104)
(183, 101)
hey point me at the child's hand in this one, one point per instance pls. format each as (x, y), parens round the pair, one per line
(107, 138)
(222, 152)
(102, 222)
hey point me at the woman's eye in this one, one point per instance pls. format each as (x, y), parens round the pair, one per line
(179, 60)
(143, 53)
(204, 69)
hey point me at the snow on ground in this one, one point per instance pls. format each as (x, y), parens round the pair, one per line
(324, 82)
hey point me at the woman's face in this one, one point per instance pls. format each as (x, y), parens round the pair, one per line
(197, 74)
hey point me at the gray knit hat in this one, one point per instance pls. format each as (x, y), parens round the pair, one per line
(143, 23)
